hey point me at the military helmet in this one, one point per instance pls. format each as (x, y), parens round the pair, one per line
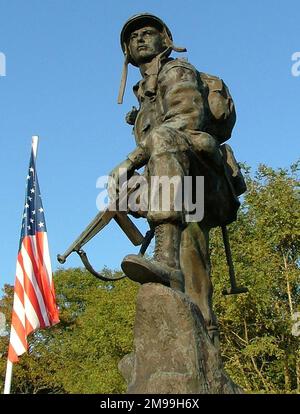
(135, 22)
(140, 20)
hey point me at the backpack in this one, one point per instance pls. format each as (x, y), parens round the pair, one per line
(220, 108)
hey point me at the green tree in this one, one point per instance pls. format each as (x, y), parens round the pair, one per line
(81, 353)
(259, 350)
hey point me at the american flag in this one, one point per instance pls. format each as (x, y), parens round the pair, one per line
(34, 296)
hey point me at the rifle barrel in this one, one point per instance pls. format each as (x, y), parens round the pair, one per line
(100, 221)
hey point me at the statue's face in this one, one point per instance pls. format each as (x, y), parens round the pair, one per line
(144, 44)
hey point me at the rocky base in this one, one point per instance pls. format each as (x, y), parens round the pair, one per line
(173, 353)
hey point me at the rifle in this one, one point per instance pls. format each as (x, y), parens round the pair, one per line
(96, 225)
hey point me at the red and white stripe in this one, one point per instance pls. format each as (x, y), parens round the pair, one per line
(34, 296)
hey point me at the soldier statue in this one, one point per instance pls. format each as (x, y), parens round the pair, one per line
(184, 118)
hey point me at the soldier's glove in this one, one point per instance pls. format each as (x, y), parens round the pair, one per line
(118, 177)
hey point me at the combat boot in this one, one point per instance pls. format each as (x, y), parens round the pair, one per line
(165, 267)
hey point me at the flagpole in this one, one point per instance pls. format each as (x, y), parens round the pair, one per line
(9, 365)
(8, 377)
(35, 141)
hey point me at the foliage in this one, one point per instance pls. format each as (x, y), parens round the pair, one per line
(81, 353)
(259, 350)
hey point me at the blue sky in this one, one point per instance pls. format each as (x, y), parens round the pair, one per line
(63, 67)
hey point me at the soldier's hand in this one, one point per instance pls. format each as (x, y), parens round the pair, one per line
(118, 177)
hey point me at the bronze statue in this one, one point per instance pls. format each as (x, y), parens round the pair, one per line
(183, 120)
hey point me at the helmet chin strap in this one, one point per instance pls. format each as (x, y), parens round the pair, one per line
(166, 52)
(170, 44)
(123, 79)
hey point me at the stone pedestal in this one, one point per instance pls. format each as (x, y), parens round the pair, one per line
(173, 353)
